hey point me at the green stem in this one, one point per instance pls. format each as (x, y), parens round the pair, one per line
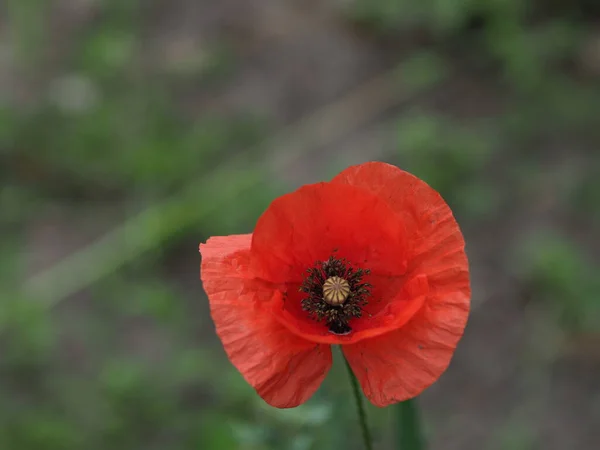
(410, 436)
(362, 416)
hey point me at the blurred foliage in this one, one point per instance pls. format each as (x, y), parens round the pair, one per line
(563, 276)
(451, 157)
(106, 130)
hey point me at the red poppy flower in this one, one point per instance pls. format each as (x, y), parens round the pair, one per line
(372, 260)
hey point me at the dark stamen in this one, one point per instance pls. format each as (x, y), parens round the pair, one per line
(335, 293)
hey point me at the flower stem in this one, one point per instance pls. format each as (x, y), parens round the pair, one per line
(362, 416)
(410, 435)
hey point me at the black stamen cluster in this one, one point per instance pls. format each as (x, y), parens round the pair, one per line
(338, 316)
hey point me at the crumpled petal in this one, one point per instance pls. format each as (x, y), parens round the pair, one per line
(430, 227)
(400, 364)
(284, 369)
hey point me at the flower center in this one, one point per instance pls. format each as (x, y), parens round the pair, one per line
(335, 293)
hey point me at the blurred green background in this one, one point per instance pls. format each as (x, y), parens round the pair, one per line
(131, 130)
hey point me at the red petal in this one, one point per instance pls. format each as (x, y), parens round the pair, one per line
(400, 364)
(428, 221)
(284, 369)
(309, 224)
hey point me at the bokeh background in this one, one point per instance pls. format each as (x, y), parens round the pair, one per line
(131, 130)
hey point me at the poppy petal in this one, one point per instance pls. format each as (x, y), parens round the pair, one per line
(315, 221)
(427, 219)
(400, 364)
(284, 369)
